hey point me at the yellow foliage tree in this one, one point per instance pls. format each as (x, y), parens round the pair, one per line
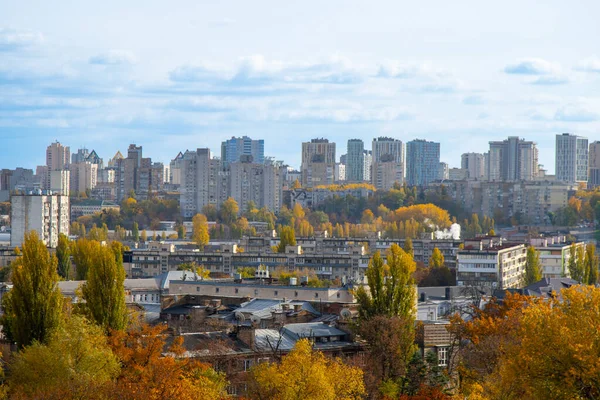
(200, 233)
(309, 375)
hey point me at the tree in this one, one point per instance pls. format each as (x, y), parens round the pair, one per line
(180, 231)
(63, 254)
(163, 236)
(210, 211)
(229, 210)
(296, 184)
(577, 263)
(437, 259)
(591, 264)
(104, 291)
(83, 256)
(306, 374)
(408, 247)
(34, 305)
(147, 374)
(135, 232)
(287, 237)
(298, 211)
(200, 230)
(75, 363)
(533, 268)
(391, 288)
(144, 236)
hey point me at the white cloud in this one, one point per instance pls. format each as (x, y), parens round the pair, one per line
(589, 65)
(575, 113)
(113, 57)
(532, 66)
(550, 80)
(13, 40)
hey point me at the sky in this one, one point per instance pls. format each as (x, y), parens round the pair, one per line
(186, 74)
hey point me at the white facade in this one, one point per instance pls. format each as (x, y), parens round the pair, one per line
(48, 215)
(571, 158)
(513, 159)
(60, 182)
(501, 267)
(474, 163)
(387, 163)
(84, 176)
(340, 172)
(318, 163)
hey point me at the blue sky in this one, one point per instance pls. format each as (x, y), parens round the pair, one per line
(189, 73)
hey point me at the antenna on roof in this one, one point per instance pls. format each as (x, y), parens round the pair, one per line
(345, 314)
(239, 316)
(255, 320)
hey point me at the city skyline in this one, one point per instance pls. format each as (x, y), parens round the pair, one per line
(404, 71)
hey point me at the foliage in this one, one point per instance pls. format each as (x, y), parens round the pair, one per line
(63, 254)
(306, 374)
(146, 374)
(180, 231)
(104, 291)
(437, 259)
(229, 210)
(200, 271)
(391, 290)
(533, 268)
(287, 237)
(408, 247)
(135, 232)
(246, 272)
(33, 307)
(200, 231)
(591, 265)
(83, 256)
(75, 361)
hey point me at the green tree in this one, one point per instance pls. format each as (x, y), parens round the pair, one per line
(200, 231)
(180, 231)
(437, 259)
(135, 232)
(32, 309)
(63, 254)
(408, 247)
(533, 268)
(577, 263)
(391, 287)
(163, 236)
(287, 237)
(229, 210)
(591, 264)
(104, 291)
(76, 361)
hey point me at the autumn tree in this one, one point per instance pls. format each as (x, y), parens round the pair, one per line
(210, 211)
(200, 230)
(144, 236)
(391, 287)
(33, 307)
(408, 247)
(306, 374)
(437, 259)
(83, 256)
(147, 374)
(229, 210)
(63, 254)
(533, 268)
(287, 237)
(180, 231)
(591, 265)
(104, 291)
(75, 363)
(577, 263)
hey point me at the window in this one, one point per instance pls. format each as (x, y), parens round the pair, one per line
(316, 295)
(237, 290)
(248, 364)
(197, 289)
(216, 290)
(338, 295)
(442, 353)
(276, 292)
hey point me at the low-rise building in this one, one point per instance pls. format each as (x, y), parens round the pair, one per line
(555, 255)
(91, 207)
(490, 262)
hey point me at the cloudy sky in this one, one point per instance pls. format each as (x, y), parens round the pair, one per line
(176, 75)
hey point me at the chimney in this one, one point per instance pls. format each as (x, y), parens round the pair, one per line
(247, 335)
(448, 293)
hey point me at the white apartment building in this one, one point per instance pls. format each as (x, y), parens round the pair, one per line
(84, 176)
(555, 255)
(474, 163)
(60, 182)
(492, 264)
(571, 158)
(318, 163)
(387, 163)
(48, 215)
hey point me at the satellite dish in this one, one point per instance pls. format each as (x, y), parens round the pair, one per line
(239, 316)
(345, 313)
(255, 319)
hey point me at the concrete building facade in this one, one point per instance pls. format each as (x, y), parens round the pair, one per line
(387, 163)
(355, 162)
(422, 162)
(318, 163)
(571, 158)
(46, 214)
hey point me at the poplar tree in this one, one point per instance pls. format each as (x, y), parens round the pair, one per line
(437, 259)
(63, 253)
(533, 268)
(287, 237)
(408, 247)
(104, 290)
(200, 233)
(33, 308)
(135, 232)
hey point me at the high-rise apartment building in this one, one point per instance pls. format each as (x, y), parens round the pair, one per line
(571, 158)
(474, 164)
(318, 163)
(138, 174)
(341, 171)
(367, 165)
(57, 158)
(444, 171)
(175, 169)
(60, 181)
(84, 176)
(232, 150)
(259, 183)
(203, 182)
(387, 165)
(355, 161)
(513, 159)
(48, 215)
(422, 162)
(594, 165)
